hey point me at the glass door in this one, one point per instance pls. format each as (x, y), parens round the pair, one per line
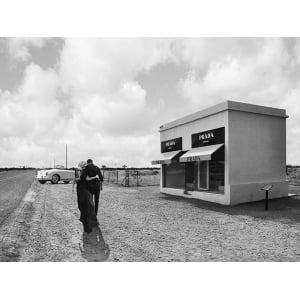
(203, 178)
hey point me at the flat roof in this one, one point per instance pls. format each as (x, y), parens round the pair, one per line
(223, 106)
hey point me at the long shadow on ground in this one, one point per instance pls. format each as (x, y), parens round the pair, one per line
(283, 210)
(94, 247)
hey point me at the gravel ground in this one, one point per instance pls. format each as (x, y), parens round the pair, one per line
(13, 187)
(140, 224)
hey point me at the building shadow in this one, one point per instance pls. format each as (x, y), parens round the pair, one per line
(93, 246)
(284, 210)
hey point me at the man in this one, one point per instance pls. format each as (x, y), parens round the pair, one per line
(94, 186)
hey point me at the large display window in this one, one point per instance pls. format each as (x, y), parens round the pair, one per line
(200, 168)
(206, 175)
(190, 175)
(216, 175)
(174, 175)
(209, 176)
(203, 178)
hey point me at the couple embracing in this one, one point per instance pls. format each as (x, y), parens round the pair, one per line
(88, 179)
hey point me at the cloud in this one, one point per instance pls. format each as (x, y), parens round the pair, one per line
(291, 103)
(93, 99)
(100, 77)
(261, 71)
(251, 76)
(18, 48)
(33, 108)
(100, 65)
(30, 116)
(117, 113)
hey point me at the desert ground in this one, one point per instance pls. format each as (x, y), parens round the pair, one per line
(13, 187)
(140, 224)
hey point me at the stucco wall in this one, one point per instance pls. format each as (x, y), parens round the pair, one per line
(257, 148)
(186, 130)
(249, 192)
(255, 152)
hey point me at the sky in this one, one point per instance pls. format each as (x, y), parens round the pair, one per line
(107, 97)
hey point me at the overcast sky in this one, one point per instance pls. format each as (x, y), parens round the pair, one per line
(106, 98)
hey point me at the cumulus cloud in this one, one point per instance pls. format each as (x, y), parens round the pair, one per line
(93, 101)
(90, 101)
(30, 116)
(18, 48)
(93, 65)
(33, 108)
(259, 71)
(262, 75)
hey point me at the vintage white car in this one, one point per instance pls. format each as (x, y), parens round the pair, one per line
(55, 175)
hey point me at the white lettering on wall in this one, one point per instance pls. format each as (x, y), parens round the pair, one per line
(171, 143)
(193, 158)
(206, 136)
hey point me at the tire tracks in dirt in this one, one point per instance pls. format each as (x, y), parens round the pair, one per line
(13, 230)
(54, 236)
(46, 227)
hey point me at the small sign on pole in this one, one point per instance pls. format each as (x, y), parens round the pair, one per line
(267, 188)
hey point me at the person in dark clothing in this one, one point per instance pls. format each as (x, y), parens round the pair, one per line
(85, 199)
(94, 185)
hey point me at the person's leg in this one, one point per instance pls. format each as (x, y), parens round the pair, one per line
(96, 195)
(78, 199)
(90, 216)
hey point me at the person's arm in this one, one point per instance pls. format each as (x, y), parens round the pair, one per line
(74, 181)
(100, 175)
(88, 178)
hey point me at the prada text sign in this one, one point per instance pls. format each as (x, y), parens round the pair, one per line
(171, 145)
(209, 137)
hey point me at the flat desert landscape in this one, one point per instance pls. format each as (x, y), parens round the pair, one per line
(140, 224)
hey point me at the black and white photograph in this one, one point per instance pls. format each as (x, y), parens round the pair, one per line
(149, 148)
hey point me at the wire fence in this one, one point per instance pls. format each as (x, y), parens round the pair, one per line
(293, 175)
(132, 177)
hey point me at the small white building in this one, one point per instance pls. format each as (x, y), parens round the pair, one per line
(225, 154)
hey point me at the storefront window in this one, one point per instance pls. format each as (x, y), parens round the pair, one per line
(210, 173)
(203, 175)
(174, 175)
(190, 175)
(216, 176)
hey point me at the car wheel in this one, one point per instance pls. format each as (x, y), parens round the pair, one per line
(66, 181)
(42, 181)
(55, 179)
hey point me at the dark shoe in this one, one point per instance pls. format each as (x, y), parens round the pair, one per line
(95, 223)
(87, 229)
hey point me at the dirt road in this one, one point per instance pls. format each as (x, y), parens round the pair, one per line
(139, 224)
(45, 227)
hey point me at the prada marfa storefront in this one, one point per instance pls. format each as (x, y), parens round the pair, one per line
(225, 154)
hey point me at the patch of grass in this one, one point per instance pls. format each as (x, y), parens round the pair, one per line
(9, 253)
(13, 187)
(293, 175)
(139, 177)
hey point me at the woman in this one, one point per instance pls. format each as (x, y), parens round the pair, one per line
(85, 199)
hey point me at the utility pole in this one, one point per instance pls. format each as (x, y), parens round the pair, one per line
(66, 156)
